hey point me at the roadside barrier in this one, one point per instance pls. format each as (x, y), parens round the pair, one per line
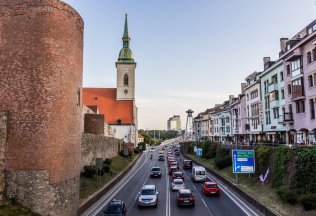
(265, 210)
(91, 200)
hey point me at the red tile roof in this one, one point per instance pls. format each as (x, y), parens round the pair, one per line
(105, 99)
(140, 136)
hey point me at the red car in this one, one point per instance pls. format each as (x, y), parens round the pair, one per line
(210, 188)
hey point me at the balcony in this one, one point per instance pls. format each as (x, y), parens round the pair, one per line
(273, 87)
(281, 119)
(247, 126)
(288, 118)
(274, 104)
(255, 112)
(297, 72)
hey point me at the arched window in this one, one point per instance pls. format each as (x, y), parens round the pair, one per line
(126, 80)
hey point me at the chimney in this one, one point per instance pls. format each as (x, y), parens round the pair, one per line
(283, 43)
(231, 99)
(217, 105)
(243, 85)
(265, 60)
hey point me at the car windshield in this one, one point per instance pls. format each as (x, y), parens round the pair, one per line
(161, 156)
(212, 186)
(178, 174)
(114, 209)
(148, 192)
(185, 195)
(156, 169)
(200, 173)
(174, 163)
(178, 182)
(187, 162)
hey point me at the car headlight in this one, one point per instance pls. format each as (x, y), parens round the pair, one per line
(151, 173)
(140, 199)
(154, 200)
(159, 173)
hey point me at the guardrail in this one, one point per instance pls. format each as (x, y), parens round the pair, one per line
(106, 189)
(265, 210)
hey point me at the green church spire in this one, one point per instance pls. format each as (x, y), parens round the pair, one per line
(126, 54)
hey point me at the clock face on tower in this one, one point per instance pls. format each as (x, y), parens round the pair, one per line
(125, 91)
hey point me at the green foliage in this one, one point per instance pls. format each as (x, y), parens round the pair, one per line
(308, 201)
(212, 150)
(287, 195)
(262, 155)
(143, 145)
(106, 168)
(130, 153)
(206, 149)
(136, 151)
(118, 147)
(100, 173)
(281, 159)
(147, 138)
(89, 171)
(223, 159)
(108, 161)
(305, 169)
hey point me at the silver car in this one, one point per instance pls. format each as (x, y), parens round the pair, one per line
(148, 196)
(177, 184)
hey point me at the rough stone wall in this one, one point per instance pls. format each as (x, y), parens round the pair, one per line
(32, 189)
(97, 146)
(85, 110)
(41, 48)
(3, 141)
(130, 146)
(94, 124)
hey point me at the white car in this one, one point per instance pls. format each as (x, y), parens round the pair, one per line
(152, 149)
(177, 184)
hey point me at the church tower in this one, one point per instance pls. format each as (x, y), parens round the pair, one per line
(125, 69)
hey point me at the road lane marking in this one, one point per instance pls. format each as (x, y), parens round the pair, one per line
(241, 204)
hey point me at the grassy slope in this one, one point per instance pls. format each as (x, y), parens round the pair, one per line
(263, 192)
(117, 166)
(13, 210)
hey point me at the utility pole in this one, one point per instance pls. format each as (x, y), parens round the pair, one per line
(159, 135)
(154, 135)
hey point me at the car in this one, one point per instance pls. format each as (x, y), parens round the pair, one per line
(152, 149)
(178, 175)
(148, 196)
(115, 207)
(177, 184)
(163, 148)
(155, 172)
(177, 153)
(176, 149)
(170, 161)
(198, 174)
(174, 163)
(160, 152)
(187, 164)
(172, 170)
(185, 197)
(161, 157)
(210, 188)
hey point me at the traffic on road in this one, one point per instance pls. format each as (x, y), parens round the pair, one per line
(169, 185)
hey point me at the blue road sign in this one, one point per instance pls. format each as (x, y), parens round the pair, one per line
(243, 161)
(199, 152)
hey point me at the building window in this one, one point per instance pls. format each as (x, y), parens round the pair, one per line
(274, 95)
(78, 97)
(282, 93)
(275, 113)
(227, 129)
(227, 119)
(309, 57)
(297, 88)
(312, 106)
(310, 81)
(275, 79)
(298, 108)
(303, 106)
(314, 54)
(247, 97)
(288, 69)
(125, 80)
(281, 76)
(289, 89)
(297, 65)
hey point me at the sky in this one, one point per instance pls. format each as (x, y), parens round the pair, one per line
(190, 54)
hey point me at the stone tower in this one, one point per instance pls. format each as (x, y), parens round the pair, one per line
(125, 69)
(41, 48)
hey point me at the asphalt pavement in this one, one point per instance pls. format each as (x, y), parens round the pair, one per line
(227, 204)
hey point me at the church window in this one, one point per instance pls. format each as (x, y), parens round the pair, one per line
(126, 80)
(78, 97)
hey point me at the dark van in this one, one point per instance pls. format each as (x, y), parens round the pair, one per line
(187, 164)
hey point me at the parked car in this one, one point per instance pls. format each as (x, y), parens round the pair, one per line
(178, 175)
(177, 184)
(155, 172)
(185, 197)
(172, 170)
(148, 196)
(187, 164)
(115, 207)
(210, 188)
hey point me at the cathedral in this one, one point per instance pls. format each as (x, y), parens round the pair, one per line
(118, 104)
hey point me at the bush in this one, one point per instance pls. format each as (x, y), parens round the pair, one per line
(205, 150)
(106, 168)
(222, 152)
(108, 161)
(212, 150)
(308, 201)
(287, 195)
(280, 162)
(262, 155)
(221, 163)
(136, 151)
(143, 146)
(100, 173)
(89, 171)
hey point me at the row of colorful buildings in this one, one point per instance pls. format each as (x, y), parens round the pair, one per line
(277, 104)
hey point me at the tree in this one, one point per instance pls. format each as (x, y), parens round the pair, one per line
(147, 138)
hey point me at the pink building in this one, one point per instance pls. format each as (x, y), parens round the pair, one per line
(299, 66)
(239, 117)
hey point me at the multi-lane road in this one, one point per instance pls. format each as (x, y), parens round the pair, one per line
(228, 203)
